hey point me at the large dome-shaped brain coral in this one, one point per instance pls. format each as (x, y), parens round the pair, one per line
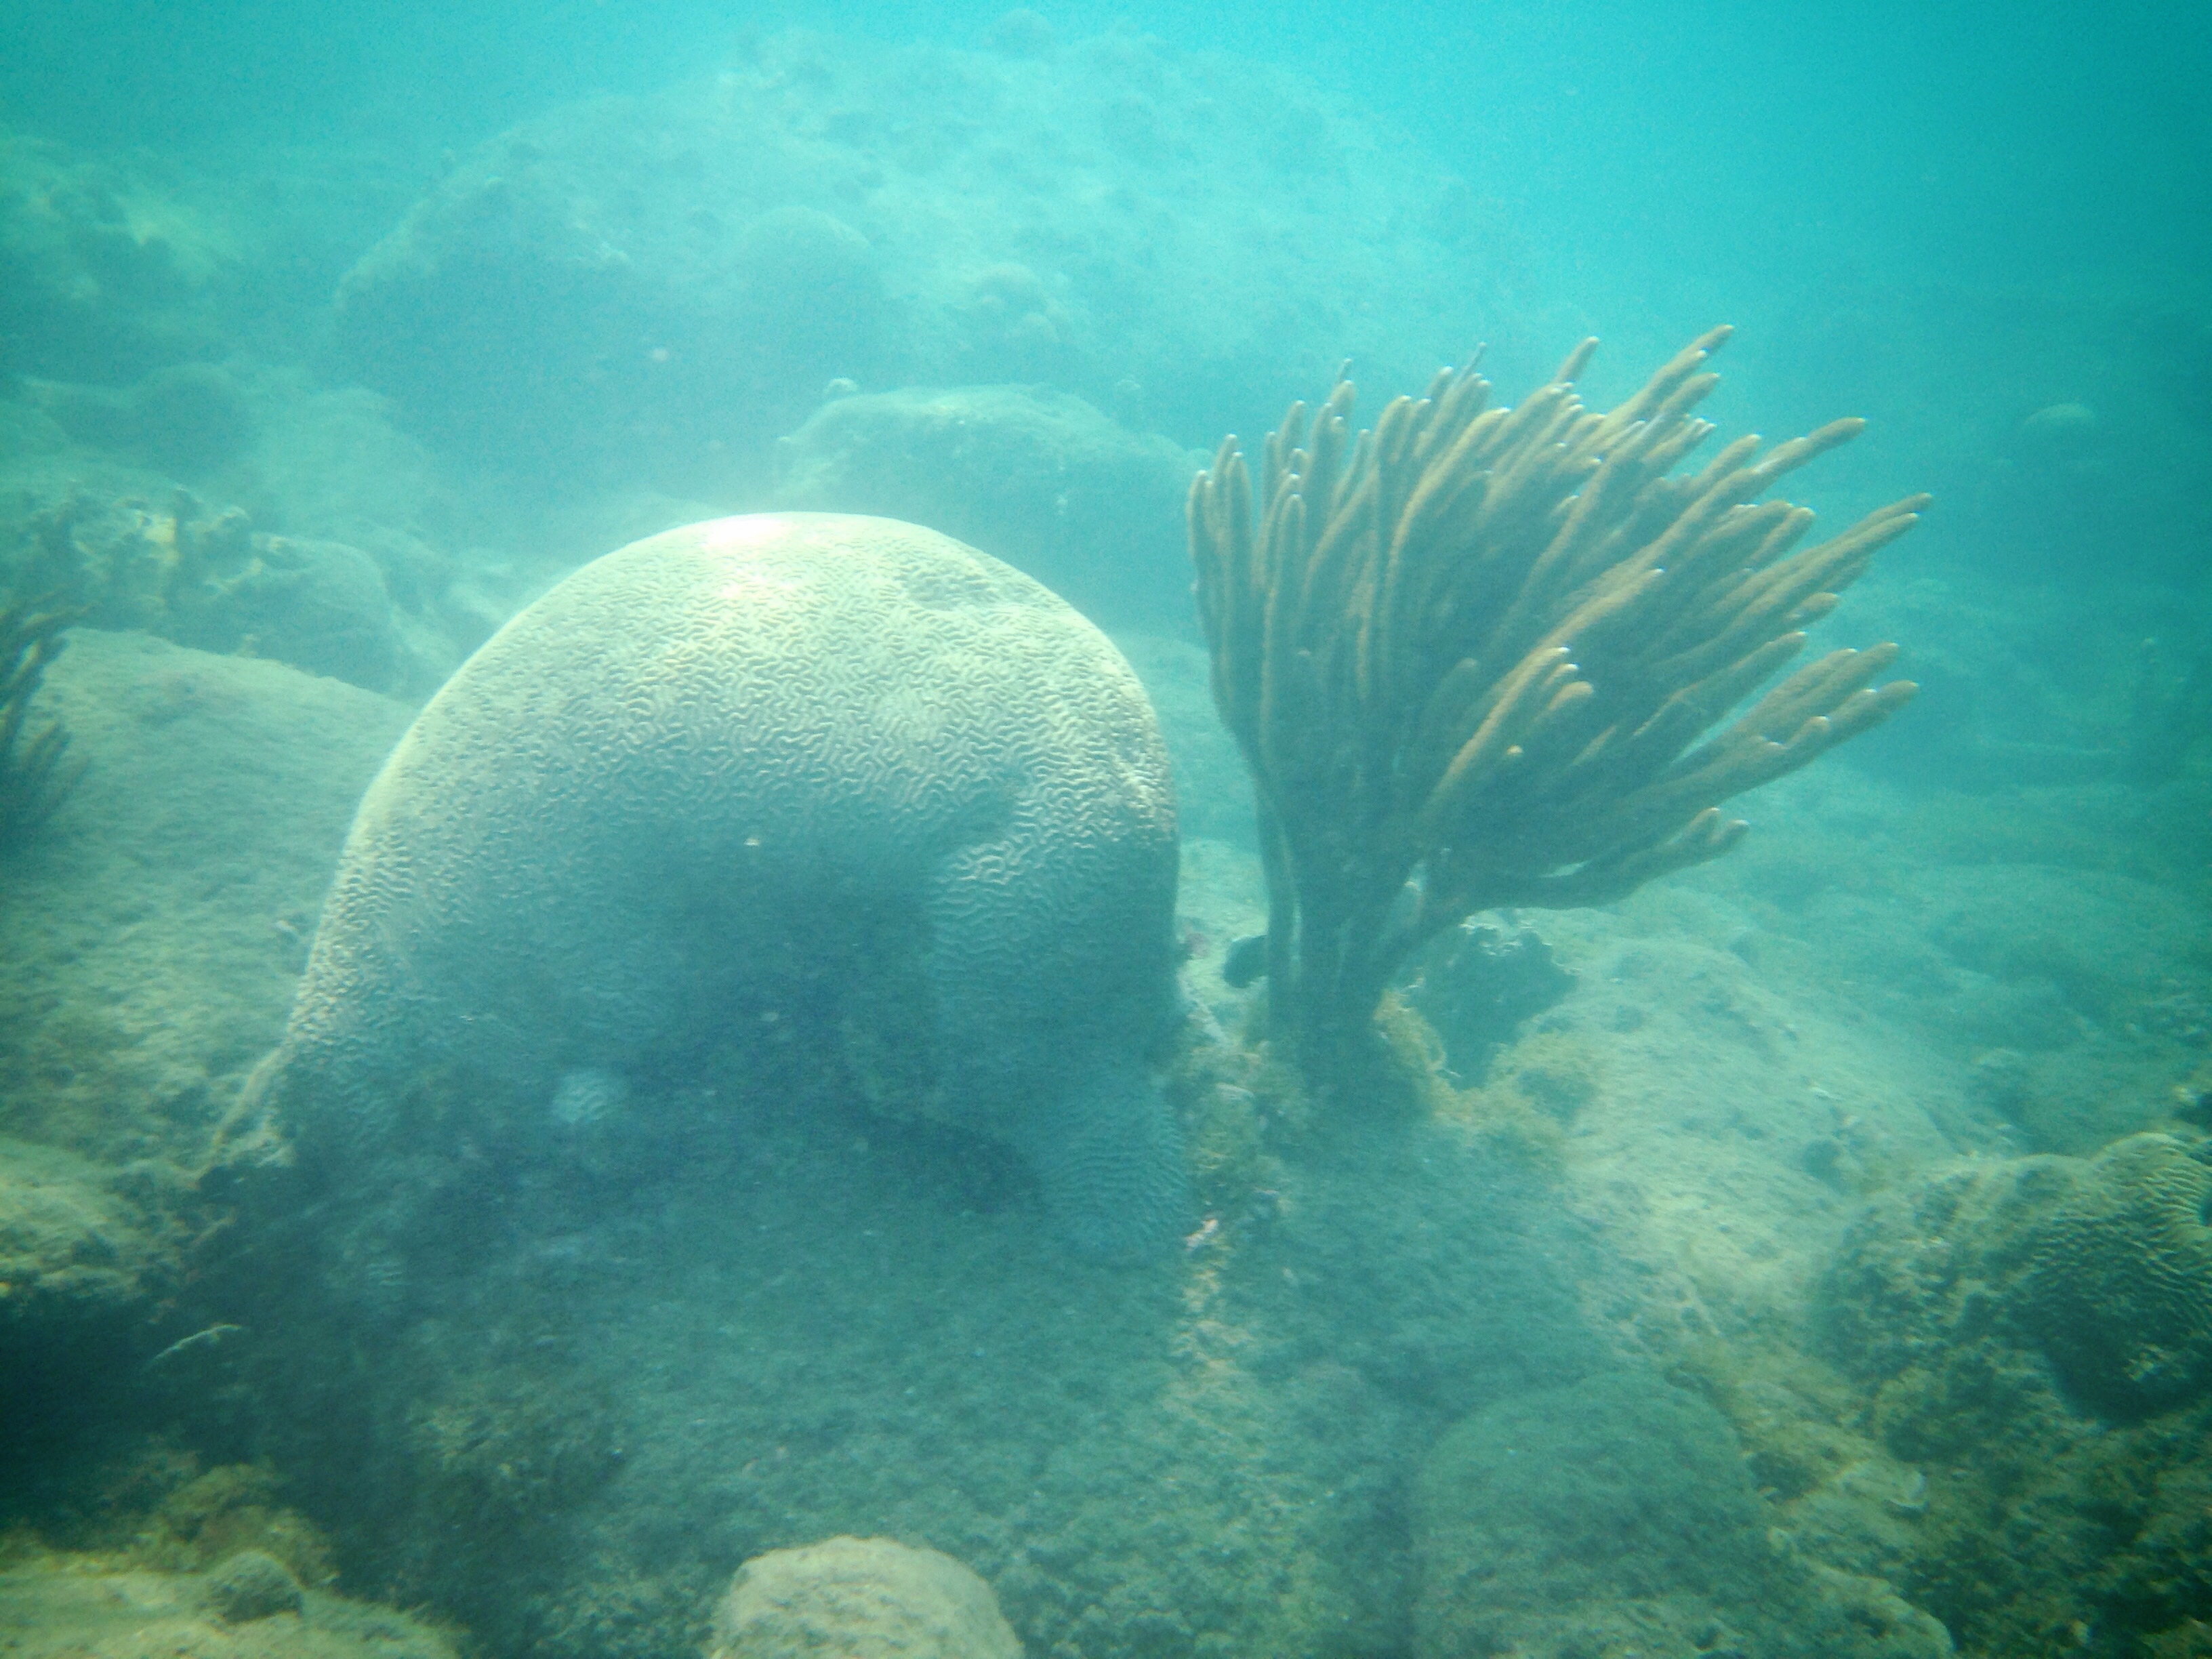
(2118, 1290)
(734, 774)
(859, 1598)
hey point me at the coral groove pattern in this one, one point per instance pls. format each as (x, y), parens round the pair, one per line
(2120, 1283)
(736, 772)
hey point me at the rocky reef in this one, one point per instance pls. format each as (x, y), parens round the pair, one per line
(1513, 1356)
(2028, 1336)
(208, 579)
(1619, 1514)
(670, 282)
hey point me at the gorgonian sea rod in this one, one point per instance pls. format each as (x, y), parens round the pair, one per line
(1475, 657)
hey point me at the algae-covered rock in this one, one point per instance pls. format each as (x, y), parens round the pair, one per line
(252, 1584)
(2022, 1329)
(78, 1244)
(83, 1607)
(1929, 1266)
(1613, 1508)
(151, 937)
(767, 1324)
(225, 1513)
(89, 1252)
(2102, 1265)
(859, 1598)
(1617, 1514)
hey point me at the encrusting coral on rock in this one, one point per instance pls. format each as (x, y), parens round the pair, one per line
(1473, 658)
(2027, 1339)
(2119, 1287)
(208, 580)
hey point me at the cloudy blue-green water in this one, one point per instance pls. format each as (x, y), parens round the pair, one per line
(537, 1090)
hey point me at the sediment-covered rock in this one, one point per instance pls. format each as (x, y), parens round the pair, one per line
(859, 1598)
(66, 1607)
(1035, 476)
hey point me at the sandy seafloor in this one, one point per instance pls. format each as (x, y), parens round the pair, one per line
(1682, 1138)
(1814, 1255)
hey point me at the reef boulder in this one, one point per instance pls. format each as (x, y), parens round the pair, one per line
(109, 268)
(1615, 1508)
(1039, 476)
(859, 1598)
(252, 1584)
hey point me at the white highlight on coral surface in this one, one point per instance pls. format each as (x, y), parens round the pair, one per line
(747, 530)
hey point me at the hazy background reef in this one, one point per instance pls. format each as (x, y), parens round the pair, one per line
(479, 364)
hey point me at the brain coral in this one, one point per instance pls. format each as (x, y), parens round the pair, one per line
(859, 1598)
(2118, 1290)
(743, 773)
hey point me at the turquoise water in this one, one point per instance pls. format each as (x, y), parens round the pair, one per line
(522, 1093)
